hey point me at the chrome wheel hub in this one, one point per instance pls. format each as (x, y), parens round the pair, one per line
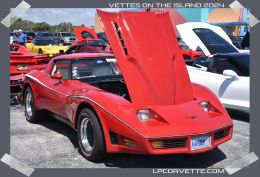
(28, 104)
(87, 134)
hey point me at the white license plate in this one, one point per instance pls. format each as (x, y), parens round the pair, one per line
(199, 142)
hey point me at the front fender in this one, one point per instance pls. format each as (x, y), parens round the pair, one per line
(204, 94)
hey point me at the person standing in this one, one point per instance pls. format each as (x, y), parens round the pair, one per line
(22, 37)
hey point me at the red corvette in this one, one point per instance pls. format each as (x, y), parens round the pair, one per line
(88, 36)
(150, 107)
(21, 59)
(85, 33)
(21, 62)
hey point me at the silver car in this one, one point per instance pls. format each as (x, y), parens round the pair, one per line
(66, 37)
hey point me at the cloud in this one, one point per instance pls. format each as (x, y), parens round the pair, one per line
(77, 16)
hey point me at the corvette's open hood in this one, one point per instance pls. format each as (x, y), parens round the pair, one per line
(84, 33)
(146, 49)
(209, 38)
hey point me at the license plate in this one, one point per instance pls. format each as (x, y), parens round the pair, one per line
(22, 68)
(199, 142)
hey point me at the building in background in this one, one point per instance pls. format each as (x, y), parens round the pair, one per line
(98, 26)
(233, 21)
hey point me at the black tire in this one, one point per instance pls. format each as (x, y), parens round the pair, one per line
(40, 51)
(94, 139)
(31, 114)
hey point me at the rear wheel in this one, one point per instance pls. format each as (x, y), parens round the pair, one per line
(31, 114)
(90, 136)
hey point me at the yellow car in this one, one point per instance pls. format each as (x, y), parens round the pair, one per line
(48, 46)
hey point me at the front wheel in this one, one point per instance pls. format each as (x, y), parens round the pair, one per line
(90, 135)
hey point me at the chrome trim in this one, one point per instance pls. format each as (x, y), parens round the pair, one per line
(35, 79)
(28, 104)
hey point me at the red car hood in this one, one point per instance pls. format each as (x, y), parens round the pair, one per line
(80, 30)
(147, 51)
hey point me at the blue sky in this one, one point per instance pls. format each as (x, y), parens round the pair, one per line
(53, 16)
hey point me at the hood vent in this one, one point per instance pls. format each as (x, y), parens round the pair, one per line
(121, 38)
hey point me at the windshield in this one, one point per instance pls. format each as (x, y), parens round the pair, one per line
(30, 34)
(45, 42)
(95, 69)
(97, 43)
(85, 34)
(102, 35)
(46, 34)
(214, 43)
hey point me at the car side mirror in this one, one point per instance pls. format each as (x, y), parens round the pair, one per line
(57, 76)
(231, 73)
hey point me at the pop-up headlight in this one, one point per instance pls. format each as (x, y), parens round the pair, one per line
(205, 106)
(144, 114)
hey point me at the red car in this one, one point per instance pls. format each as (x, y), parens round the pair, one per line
(150, 107)
(84, 33)
(88, 36)
(187, 52)
(21, 62)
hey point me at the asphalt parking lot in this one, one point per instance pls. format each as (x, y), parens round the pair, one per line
(53, 144)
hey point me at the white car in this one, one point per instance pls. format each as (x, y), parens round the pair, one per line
(224, 70)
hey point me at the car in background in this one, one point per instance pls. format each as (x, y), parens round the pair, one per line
(84, 34)
(46, 45)
(98, 43)
(45, 34)
(88, 36)
(224, 69)
(192, 33)
(66, 37)
(49, 35)
(103, 36)
(151, 107)
(30, 36)
(87, 48)
(21, 62)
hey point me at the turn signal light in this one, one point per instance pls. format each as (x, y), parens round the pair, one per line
(129, 143)
(157, 144)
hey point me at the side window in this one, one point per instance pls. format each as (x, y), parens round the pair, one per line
(61, 67)
(85, 34)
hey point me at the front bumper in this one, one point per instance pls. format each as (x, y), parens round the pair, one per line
(144, 145)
